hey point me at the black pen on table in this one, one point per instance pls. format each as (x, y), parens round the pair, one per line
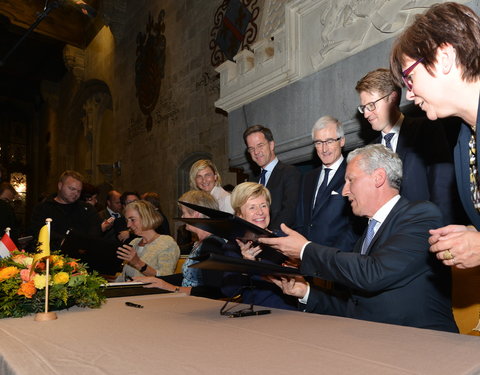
(131, 304)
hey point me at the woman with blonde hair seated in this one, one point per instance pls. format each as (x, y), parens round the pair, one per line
(204, 176)
(151, 254)
(251, 202)
(194, 281)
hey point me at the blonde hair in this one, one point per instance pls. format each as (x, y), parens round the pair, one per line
(200, 165)
(150, 217)
(246, 190)
(200, 198)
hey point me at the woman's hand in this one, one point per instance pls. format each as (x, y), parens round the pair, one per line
(248, 251)
(155, 282)
(129, 255)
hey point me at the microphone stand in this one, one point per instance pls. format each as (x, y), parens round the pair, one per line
(41, 16)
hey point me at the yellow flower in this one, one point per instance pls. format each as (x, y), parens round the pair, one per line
(61, 278)
(8, 272)
(39, 281)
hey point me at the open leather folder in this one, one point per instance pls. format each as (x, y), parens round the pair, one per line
(230, 264)
(231, 227)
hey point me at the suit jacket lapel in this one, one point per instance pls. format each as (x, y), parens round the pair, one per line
(401, 203)
(335, 184)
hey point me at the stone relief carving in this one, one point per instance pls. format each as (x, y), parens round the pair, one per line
(273, 16)
(314, 35)
(347, 26)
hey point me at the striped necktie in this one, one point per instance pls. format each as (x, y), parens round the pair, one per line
(369, 235)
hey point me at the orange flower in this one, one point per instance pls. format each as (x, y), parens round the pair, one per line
(74, 265)
(40, 266)
(27, 289)
(8, 272)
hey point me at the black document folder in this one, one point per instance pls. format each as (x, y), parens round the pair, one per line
(230, 264)
(225, 225)
(231, 227)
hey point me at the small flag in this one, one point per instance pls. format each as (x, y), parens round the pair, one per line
(6, 246)
(44, 244)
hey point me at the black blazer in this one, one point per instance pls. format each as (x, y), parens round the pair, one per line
(428, 171)
(332, 223)
(462, 171)
(283, 184)
(398, 281)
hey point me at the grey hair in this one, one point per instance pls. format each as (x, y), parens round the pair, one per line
(378, 156)
(324, 121)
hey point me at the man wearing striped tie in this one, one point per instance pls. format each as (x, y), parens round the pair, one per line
(427, 157)
(390, 276)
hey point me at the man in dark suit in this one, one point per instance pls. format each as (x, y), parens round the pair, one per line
(323, 214)
(428, 171)
(110, 213)
(390, 277)
(282, 180)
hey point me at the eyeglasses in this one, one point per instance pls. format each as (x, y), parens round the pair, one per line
(327, 142)
(258, 147)
(370, 106)
(407, 79)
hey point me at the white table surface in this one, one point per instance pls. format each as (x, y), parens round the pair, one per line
(176, 334)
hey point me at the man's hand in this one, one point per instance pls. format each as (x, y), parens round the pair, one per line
(293, 286)
(291, 245)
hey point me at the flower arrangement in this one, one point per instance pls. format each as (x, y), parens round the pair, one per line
(22, 291)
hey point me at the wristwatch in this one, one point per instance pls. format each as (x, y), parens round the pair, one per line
(143, 269)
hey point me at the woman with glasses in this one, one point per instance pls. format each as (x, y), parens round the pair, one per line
(204, 176)
(437, 59)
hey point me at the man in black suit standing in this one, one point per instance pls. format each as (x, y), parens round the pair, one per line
(323, 214)
(390, 277)
(281, 179)
(110, 213)
(428, 171)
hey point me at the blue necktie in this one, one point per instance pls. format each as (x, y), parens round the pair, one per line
(369, 235)
(322, 187)
(388, 139)
(262, 176)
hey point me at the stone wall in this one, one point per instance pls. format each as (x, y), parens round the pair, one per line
(110, 129)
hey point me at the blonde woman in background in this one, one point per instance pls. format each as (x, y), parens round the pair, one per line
(151, 254)
(204, 176)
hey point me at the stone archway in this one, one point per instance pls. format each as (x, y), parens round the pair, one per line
(91, 132)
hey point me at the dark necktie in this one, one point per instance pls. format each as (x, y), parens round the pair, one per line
(116, 215)
(262, 176)
(322, 187)
(388, 139)
(369, 235)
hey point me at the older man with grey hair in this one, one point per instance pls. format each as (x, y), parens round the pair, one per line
(323, 215)
(390, 276)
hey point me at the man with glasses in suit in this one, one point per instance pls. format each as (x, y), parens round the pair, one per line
(324, 215)
(428, 172)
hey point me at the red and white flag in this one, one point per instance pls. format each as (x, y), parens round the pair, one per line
(6, 246)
